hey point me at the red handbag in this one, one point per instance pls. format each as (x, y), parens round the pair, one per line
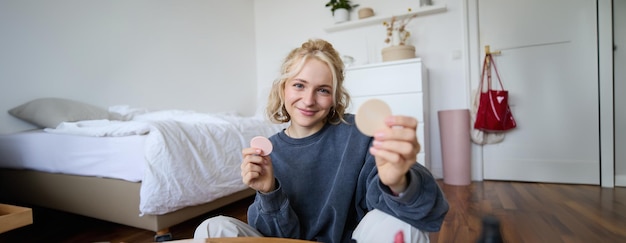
(494, 114)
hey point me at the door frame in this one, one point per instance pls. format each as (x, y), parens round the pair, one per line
(472, 69)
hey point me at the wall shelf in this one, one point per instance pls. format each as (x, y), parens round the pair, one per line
(426, 10)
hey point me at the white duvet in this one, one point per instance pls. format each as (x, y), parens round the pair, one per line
(191, 158)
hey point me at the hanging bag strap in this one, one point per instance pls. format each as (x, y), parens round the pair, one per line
(493, 64)
(493, 108)
(482, 80)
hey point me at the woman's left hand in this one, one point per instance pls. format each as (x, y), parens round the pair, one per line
(395, 149)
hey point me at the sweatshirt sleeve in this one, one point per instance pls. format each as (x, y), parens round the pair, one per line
(422, 204)
(271, 215)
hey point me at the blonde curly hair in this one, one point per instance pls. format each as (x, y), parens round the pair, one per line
(293, 64)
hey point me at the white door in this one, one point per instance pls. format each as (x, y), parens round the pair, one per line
(619, 8)
(548, 62)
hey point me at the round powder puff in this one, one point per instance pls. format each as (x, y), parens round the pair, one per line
(262, 143)
(371, 115)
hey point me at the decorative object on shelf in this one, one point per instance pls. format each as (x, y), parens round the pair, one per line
(425, 3)
(341, 9)
(376, 20)
(394, 53)
(397, 36)
(365, 12)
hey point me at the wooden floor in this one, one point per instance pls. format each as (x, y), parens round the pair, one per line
(529, 212)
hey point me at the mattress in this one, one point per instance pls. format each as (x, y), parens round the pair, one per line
(106, 157)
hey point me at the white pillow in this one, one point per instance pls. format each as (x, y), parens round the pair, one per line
(50, 112)
(125, 112)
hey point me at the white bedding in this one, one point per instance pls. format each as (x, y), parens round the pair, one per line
(190, 158)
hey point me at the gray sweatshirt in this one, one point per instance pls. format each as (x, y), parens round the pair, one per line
(327, 182)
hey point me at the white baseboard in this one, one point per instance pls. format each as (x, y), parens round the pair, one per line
(620, 180)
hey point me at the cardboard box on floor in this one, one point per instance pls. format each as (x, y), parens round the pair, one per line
(13, 217)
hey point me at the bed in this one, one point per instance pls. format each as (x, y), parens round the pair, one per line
(146, 169)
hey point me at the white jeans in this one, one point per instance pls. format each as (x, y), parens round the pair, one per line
(375, 227)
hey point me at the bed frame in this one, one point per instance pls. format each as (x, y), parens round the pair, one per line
(107, 199)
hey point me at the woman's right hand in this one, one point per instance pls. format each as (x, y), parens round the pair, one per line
(257, 171)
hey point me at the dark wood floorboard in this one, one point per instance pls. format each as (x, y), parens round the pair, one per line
(529, 212)
(535, 212)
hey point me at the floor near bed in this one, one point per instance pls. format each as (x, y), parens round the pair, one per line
(529, 212)
(55, 226)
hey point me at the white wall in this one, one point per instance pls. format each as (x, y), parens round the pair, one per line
(282, 25)
(159, 54)
(200, 55)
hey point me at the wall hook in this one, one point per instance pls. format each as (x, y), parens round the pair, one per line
(488, 51)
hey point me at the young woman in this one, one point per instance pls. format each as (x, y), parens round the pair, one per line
(325, 180)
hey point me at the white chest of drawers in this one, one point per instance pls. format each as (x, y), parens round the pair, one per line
(402, 85)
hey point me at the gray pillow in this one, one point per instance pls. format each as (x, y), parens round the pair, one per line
(50, 112)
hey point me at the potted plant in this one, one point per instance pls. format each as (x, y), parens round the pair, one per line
(398, 36)
(341, 9)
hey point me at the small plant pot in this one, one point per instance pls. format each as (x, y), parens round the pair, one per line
(399, 52)
(341, 15)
